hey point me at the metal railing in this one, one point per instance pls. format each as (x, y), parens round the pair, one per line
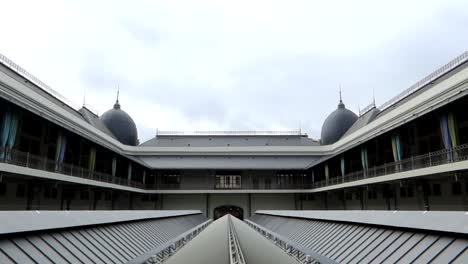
(300, 253)
(367, 109)
(441, 157)
(33, 79)
(231, 133)
(426, 80)
(201, 185)
(28, 160)
(163, 252)
(235, 251)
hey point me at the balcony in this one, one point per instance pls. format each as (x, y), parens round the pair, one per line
(28, 160)
(254, 183)
(441, 157)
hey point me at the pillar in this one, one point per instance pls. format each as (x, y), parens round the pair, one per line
(129, 172)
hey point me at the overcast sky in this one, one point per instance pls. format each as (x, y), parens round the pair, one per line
(231, 65)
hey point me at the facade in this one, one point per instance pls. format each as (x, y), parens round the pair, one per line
(408, 154)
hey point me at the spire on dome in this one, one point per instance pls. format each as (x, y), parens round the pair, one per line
(341, 104)
(117, 105)
(341, 99)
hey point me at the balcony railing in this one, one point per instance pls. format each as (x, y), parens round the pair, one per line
(25, 159)
(441, 157)
(432, 159)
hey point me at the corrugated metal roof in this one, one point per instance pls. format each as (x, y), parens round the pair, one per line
(444, 221)
(212, 246)
(108, 243)
(26, 221)
(363, 243)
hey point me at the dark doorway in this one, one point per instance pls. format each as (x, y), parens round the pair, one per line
(235, 211)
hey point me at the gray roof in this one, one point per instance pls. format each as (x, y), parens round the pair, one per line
(212, 246)
(108, 243)
(27, 221)
(360, 242)
(362, 121)
(336, 124)
(94, 120)
(228, 162)
(229, 140)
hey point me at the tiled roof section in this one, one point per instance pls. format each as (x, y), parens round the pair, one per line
(94, 120)
(362, 121)
(347, 242)
(229, 140)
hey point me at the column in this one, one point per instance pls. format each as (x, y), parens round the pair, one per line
(129, 172)
(114, 166)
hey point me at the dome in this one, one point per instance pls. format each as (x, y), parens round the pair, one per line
(336, 124)
(121, 125)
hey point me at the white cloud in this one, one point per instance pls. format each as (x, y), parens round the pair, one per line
(207, 65)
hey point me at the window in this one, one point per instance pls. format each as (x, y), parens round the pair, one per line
(410, 191)
(20, 190)
(436, 189)
(84, 195)
(357, 195)
(47, 191)
(255, 183)
(3, 188)
(171, 179)
(268, 183)
(228, 182)
(372, 194)
(403, 192)
(456, 188)
(53, 193)
(97, 195)
(427, 189)
(107, 196)
(349, 196)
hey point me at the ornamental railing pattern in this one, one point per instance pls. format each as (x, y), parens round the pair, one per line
(426, 80)
(28, 160)
(441, 157)
(33, 79)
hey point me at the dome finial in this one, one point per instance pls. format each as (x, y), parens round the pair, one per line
(341, 99)
(341, 105)
(117, 105)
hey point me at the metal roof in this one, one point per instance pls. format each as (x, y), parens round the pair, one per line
(220, 140)
(26, 221)
(346, 242)
(228, 162)
(106, 243)
(443, 221)
(229, 240)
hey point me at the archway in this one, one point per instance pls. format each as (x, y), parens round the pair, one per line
(233, 210)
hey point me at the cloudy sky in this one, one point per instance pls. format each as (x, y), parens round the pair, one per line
(231, 65)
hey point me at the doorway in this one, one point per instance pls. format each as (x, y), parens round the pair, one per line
(235, 211)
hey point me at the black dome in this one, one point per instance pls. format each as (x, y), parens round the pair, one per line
(121, 125)
(336, 124)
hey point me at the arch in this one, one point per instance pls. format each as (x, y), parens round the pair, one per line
(233, 210)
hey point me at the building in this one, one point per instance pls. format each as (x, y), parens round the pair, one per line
(409, 154)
